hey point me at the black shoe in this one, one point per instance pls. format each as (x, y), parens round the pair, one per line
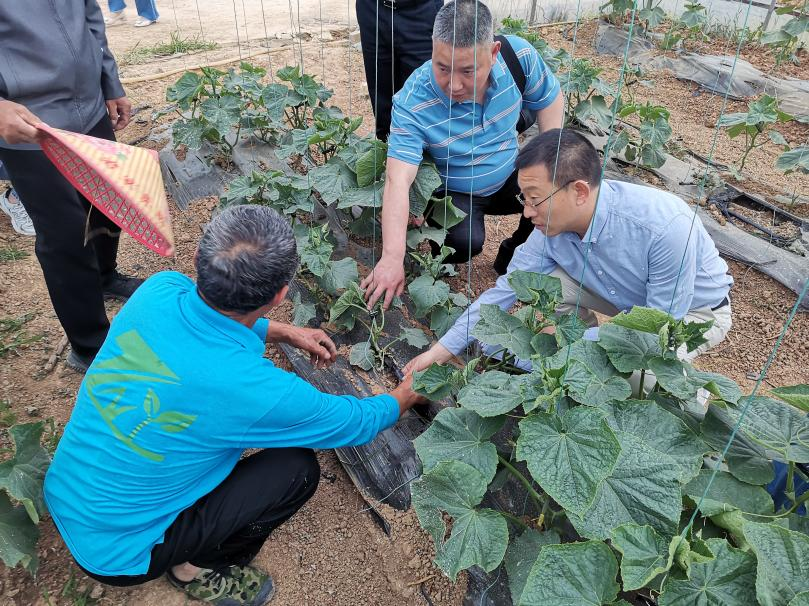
(120, 286)
(78, 362)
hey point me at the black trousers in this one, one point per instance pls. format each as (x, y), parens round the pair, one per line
(400, 42)
(468, 242)
(75, 272)
(228, 526)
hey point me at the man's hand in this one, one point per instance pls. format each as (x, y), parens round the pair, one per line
(405, 395)
(322, 350)
(437, 354)
(17, 123)
(387, 278)
(120, 111)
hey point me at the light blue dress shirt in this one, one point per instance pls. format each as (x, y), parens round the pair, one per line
(640, 253)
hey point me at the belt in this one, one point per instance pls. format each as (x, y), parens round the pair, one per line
(400, 4)
(722, 303)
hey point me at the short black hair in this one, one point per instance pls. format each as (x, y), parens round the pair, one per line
(578, 159)
(245, 257)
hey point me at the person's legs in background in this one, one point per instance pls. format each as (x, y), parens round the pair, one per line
(10, 204)
(117, 15)
(504, 202)
(147, 12)
(76, 273)
(377, 56)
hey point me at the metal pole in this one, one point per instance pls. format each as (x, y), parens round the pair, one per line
(769, 14)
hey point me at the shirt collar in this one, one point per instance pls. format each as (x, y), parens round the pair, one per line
(602, 213)
(223, 324)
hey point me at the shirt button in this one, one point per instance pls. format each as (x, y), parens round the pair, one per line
(600, 273)
(612, 292)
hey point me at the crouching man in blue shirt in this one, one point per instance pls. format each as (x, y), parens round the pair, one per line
(148, 478)
(645, 247)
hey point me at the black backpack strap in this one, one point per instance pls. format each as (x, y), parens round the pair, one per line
(513, 63)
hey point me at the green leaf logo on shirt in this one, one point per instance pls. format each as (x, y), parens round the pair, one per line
(136, 364)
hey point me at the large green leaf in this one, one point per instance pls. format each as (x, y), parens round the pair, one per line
(500, 329)
(479, 536)
(435, 382)
(426, 293)
(726, 493)
(660, 431)
(746, 460)
(783, 562)
(594, 110)
(797, 395)
(655, 132)
(304, 312)
(521, 555)
(536, 289)
(337, 275)
(221, 112)
(569, 329)
(794, 159)
(644, 554)
(332, 179)
(371, 164)
(457, 434)
(445, 213)
(492, 393)
(643, 488)
(190, 133)
(362, 355)
(644, 319)
(627, 349)
(573, 574)
(801, 599)
(778, 427)
(415, 337)
(591, 378)
(369, 196)
(728, 579)
(684, 381)
(274, 97)
(426, 182)
(185, 90)
(442, 319)
(22, 475)
(568, 455)
(18, 536)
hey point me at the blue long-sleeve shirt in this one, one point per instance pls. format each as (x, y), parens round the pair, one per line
(639, 244)
(175, 395)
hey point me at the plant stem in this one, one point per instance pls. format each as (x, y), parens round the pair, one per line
(790, 486)
(514, 519)
(535, 496)
(641, 395)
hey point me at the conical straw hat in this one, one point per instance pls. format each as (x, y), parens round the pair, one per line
(122, 181)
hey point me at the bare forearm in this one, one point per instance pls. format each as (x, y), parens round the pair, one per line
(551, 116)
(279, 332)
(395, 212)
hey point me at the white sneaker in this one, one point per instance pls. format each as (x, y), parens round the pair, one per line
(115, 18)
(20, 220)
(141, 22)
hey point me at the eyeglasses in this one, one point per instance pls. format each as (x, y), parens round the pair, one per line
(521, 199)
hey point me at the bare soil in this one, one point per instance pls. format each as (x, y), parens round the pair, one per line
(333, 552)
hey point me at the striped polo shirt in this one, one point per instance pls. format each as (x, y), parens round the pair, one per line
(474, 147)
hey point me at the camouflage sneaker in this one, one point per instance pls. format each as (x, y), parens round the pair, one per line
(232, 586)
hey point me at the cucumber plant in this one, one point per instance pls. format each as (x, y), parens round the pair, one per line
(586, 95)
(786, 40)
(370, 354)
(431, 295)
(612, 475)
(758, 120)
(653, 134)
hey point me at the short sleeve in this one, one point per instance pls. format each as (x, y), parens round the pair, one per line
(541, 85)
(406, 141)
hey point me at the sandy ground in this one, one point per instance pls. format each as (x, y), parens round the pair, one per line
(333, 552)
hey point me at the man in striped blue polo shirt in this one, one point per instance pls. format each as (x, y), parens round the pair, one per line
(462, 108)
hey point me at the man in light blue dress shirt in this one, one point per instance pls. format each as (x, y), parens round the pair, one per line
(626, 244)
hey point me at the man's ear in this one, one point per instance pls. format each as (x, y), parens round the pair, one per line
(495, 49)
(583, 190)
(279, 296)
